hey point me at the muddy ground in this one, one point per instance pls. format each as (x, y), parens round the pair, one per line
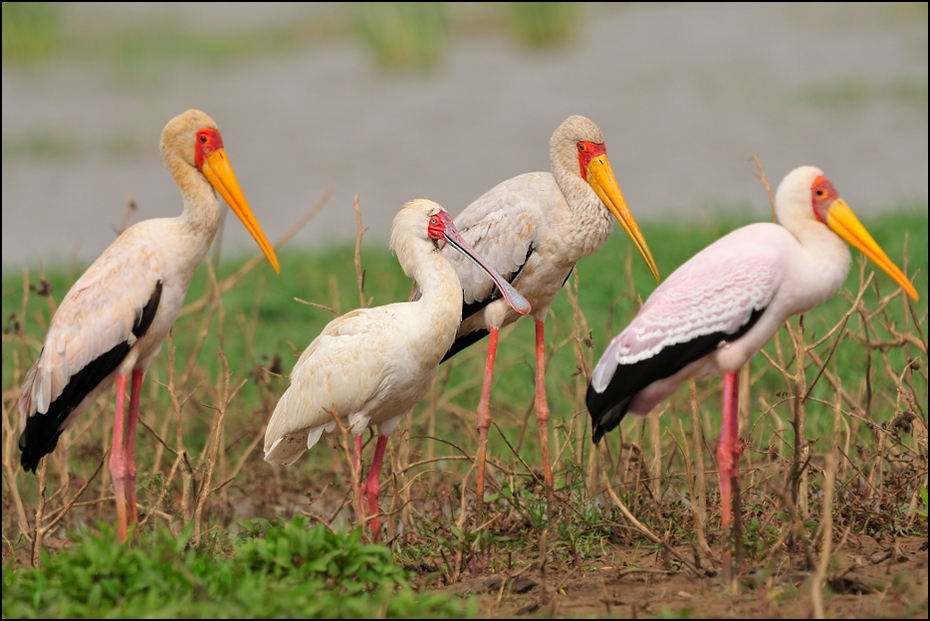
(867, 579)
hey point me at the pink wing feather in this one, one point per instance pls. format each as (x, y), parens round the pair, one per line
(715, 291)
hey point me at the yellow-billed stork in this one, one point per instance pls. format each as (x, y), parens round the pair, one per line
(725, 303)
(112, 322)
(533, 228)
(371, 366)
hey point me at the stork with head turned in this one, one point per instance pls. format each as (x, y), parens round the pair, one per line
(371, 366)
(533, 229)
(111, 323)
(724, 304)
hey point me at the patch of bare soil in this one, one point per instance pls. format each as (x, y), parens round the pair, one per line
(866, 579)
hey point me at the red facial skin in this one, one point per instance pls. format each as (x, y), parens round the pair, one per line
(438, 223)
(208, 141)
(587, 151)
(823, 194)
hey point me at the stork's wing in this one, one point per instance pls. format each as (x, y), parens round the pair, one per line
(100, 319)
(106, 311)
(716, 292)
(501, 226)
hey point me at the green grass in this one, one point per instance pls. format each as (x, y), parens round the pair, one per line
(31, 31)
(267, 322)
(270, 570)
(852, 92)
(52, 146)
(37, 32)
(399, 36)
(402, 35)
(539, 25)
(257, 325)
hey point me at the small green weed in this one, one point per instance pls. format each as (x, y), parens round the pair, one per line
(922, 512)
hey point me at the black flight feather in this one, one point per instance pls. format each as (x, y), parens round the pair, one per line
(609, 407)
(43, 430)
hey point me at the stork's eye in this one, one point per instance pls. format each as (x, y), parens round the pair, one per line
(821, 193)
(581, 146)
(203, 138)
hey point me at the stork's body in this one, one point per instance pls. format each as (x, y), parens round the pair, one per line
(111, 323)
(725, 303)
(371, 366)
(533, 229)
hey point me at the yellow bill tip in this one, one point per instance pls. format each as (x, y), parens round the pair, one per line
(219, 173)
(842, 220)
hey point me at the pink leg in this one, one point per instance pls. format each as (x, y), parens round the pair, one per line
(542, 406)
(728, 461)
(131, 424)
(358, 476)
(484, 414)
(374, 488)
(122, 466)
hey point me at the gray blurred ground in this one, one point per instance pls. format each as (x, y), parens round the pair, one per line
(685, 94)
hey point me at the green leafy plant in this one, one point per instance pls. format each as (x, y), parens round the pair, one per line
(274, 570)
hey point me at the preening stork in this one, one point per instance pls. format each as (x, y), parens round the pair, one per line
(533, 228)
(112, 322)
(371, 366)
(725, 303)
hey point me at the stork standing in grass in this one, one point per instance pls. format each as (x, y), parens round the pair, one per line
(533, 228)
(724, 304)
(371, 366)
(111, 324)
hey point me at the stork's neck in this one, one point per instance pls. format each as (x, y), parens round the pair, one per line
(827, 263)
(591, 220)
(201, 216)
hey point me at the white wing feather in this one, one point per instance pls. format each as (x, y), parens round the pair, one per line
(96, 315)
(343, 374)
(500, 226)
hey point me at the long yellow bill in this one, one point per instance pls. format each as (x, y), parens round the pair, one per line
(602, 179)
(219, 172)
(842, 220)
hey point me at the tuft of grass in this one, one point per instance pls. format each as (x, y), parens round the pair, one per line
(31, 31)
(402, 35)
(539, 25)
(284, 569)
(140, 50)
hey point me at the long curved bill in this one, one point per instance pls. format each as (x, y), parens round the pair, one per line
(516, 300)
(219, 172)
(601, 177)
(842, 220)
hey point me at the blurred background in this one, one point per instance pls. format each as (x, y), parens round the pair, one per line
(391, 101)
